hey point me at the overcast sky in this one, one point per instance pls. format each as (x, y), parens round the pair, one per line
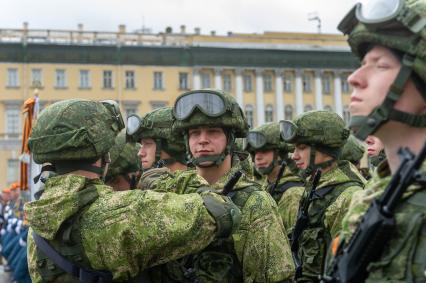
(247, 16)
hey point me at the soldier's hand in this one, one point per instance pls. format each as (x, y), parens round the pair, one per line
(226, 214)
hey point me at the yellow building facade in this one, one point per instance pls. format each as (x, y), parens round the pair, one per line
(273, 75)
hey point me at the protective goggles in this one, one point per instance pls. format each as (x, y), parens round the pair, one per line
(114, 109)
(382, 14)
(133, 124)
(208, 103)
(288, 130)
(256, 139)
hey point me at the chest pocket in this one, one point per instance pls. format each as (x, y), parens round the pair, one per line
(404, 259)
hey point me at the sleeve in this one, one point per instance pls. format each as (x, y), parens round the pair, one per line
(127, 232)
(261, 243)
(288, 206)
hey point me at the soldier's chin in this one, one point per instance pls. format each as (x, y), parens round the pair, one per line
(206, 164)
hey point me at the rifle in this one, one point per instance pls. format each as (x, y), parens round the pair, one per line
(231, 183)
(302, 221)
(279, 176)
(372, 234)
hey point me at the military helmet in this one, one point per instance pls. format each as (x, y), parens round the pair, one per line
(353, 150)
(124, 157)
(266, 137)
(317, 127)
(156, 124)
(75, 129)
(400, 26)
(208, 107)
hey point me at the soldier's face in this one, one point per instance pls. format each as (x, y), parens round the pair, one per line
(374, 145)
(372, 80)
(147, 153)
(263, 158)
(205, 141)
(302, 154)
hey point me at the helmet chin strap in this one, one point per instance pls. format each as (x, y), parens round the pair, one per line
(312, 167)
(267, 170)
(364, 126)
(214, 160)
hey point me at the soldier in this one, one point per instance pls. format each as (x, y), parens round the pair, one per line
(375, 151)
(210, 121)
(160, 147)
(125, 167)
(82, 230)
(319, 137)
(389, 102)
(354, 151)
(269, 151)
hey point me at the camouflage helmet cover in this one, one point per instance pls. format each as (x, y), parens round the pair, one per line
(271, 131)
(353, 150)
(124, 157)
(233, 117)
(73, 129)
(323, 128)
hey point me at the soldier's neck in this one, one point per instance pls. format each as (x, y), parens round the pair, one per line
(274, 174)
(214, 173)
(177, 166)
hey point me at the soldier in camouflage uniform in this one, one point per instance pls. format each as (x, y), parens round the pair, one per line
(125, 167)
(375, 151)
(269, 151)
(210, 121)
(160, 147)
(389, 101)
(319, 137)
(96, 233)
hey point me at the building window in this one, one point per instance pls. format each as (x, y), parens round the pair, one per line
(36, 77)
(267, 83)
(12, 78)
(288, 112)
(84, 79)
(248, 87)
(326, 84)
(158, 104)
(307, 83)
(346, 114)
(308, 107)
(287, 81)
(130, 79)
(269, 113)
(158, 80)
(345, 84)
(12, 171)
(205, 80)
(107, 79)
(61, 81)
(328, 108)
(227, 85)
(13, 120)
(249, 115)
(183, 81)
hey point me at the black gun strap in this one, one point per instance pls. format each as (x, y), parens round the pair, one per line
(85, 275)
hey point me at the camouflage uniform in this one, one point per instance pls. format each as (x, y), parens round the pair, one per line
(325, 132)
(258, 251)
(121, 233)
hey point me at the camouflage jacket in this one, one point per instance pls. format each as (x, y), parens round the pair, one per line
(260, 244)
(326, 211)
(121, 232)
(403, 259)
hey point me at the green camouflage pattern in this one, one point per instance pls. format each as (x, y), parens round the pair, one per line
(321, 128)
(402, 40)
(271, 131)
(233, 118)
(260, 243)
(123, 232)
(403, 259)
(157, 124)
(124, 157)
(353, 150)
(72, 129)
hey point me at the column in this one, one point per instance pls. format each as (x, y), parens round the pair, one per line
(299, 92)
(260, 107)
(239, 87)
(218, 78)
(338, 93)
(318, 90)
(279, 109)
(196, 80)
